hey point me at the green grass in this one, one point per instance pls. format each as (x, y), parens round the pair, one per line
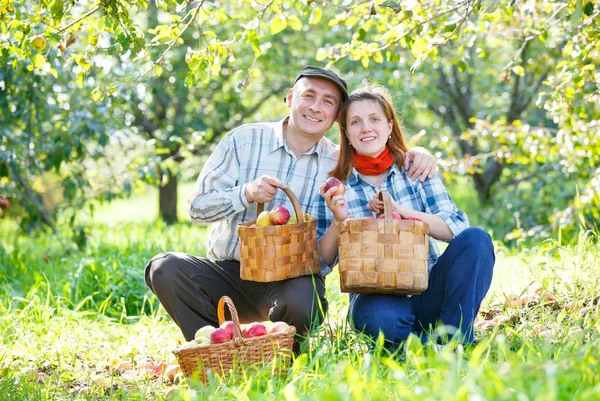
(64, 318)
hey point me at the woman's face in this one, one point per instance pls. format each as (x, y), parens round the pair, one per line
(367, 127)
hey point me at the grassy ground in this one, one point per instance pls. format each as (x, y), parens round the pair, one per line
(68, 321)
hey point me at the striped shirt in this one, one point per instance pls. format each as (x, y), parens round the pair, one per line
(428, 197)
(244, 154)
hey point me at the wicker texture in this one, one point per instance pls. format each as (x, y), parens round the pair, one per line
(383, 256)
(275, 253)
(226, 358)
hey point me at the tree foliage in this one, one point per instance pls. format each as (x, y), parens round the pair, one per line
(508, 91)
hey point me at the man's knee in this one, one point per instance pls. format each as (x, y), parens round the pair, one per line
(300, 309)
(476, 238)
(161, 270)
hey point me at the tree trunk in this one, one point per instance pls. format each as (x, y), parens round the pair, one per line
(167, 200)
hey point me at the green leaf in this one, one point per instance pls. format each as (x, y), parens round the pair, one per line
(278, 24)
(365, 61)
(39, 61)
(492, 6)
(57, 9)
(419, 46)
(577, 14)
(315, 16)
(322, 54)
(80, 77)
(295, 23)
(158, 69)
(588, 9)
(519, 70)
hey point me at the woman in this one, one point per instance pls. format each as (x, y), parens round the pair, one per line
(371, 158)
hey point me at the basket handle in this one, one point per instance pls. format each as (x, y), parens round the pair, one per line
(297, 208)
(384, 195)
(238, 338)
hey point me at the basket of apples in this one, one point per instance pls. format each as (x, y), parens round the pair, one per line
(279, 246)
(224, 350)
(387, 255)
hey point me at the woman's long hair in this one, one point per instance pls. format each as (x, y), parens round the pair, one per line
(396, 143)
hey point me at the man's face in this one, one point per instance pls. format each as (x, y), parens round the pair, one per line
(314, 104)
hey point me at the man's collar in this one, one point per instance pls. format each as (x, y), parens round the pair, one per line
(280, 140)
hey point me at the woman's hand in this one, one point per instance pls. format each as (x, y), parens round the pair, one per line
(376, 205)
(336, 203)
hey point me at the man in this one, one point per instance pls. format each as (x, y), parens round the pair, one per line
(247, 167)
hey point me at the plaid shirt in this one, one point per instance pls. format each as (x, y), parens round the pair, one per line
(244, 154)
(428, 197)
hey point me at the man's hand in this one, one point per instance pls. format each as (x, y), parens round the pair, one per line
(423, 164)
(263, 189)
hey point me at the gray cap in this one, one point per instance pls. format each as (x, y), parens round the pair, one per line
(310, 71)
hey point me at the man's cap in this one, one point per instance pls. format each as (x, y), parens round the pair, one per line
(310, 71)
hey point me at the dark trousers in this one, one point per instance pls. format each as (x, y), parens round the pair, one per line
(458, 282)
(189, 288)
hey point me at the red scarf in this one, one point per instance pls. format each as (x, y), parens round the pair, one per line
(373, 165)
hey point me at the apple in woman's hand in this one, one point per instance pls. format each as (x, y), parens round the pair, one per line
(333, 182)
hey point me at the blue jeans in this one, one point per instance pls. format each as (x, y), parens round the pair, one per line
(458, 282)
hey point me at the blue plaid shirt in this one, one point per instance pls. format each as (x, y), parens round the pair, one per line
(428, 197)
(244, 154)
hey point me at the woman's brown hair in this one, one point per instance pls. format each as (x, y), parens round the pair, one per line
(395, 143)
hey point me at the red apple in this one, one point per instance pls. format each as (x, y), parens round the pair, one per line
(279, 327)
(333, 182)
(395, 215)
(254, 330)
(228, 326)
(415, 218)
(279, 215)
(219, 336)
(4, 204)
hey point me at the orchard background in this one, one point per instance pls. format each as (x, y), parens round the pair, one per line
(109, 109)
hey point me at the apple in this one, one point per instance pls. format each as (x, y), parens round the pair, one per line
(204, 332)
(254, 330)
(219, 336)
(202, 341)
(123, 366)
(192, 344)
(229, 327)
(38, 42)
(171, 392)
(415, 218)
(395, 215)
(4, 204)
(279, 327)
(263, 219)
(171, 371)
(333, 182)
(159, 369)
(279, 215)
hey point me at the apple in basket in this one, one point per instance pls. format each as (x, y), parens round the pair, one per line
(204, 332)
(415, 218)
(220, 336)
(254, 330)
(278, 327)
(395, 215)
(333, 182)
(279, 215)
(263, 219)
(228, 326)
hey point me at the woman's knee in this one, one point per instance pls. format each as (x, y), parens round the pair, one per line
(388, 314)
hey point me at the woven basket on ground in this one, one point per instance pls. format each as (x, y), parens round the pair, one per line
(383, 256)
(229, 357)
(275, 253)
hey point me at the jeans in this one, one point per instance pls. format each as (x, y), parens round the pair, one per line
(458, 282)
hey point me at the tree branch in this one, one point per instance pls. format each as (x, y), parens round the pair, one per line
(92, 11)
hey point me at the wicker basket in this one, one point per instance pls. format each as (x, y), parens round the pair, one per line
(227, 358)
(275, 253)
(383, 256)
